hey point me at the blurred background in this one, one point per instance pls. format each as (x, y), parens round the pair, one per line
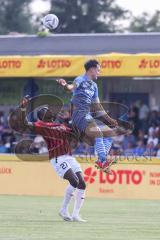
(97, 27)
(124, 36)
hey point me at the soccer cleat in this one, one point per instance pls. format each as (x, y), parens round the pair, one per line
(98, 164)
(78, 219)
(65, 215)
(105, 166)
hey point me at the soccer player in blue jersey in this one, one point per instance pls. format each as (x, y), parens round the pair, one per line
(85, 97)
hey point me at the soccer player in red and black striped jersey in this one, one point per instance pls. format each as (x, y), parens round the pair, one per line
(57, 137)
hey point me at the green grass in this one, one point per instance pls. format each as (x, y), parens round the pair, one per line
(27, 218)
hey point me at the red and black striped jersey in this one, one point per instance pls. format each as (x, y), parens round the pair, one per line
(56, 136)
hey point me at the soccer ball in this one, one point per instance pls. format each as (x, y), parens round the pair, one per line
(50, 21)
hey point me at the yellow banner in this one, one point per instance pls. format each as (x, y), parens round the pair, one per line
(130, 65)
(39, 178)
(113, 64)
(126, 182)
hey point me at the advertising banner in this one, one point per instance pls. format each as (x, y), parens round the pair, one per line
(125, 182)
(128, 181)
(113, 64)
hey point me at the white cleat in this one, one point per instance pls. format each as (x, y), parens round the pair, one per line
(78, 219)
(65, 215)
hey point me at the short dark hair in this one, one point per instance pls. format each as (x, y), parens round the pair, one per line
(91, 63)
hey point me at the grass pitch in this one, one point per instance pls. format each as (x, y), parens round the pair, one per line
(36, 218)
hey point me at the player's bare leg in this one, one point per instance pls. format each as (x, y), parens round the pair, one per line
(93, 130)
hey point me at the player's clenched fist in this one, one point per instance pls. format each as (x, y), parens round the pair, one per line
(24, 101)
(62, 82)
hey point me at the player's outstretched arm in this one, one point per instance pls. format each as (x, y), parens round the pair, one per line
(63, 83)
(23, 108)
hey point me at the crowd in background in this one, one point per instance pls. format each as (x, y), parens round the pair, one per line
(144, 140)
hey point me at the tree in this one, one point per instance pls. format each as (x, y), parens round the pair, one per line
(15, 16)
(88, 16)
(145, 23)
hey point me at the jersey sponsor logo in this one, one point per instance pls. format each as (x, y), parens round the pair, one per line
(87, 84)
(87, 87)
(91, 93)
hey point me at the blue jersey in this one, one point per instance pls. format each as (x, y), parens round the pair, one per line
(85, 93)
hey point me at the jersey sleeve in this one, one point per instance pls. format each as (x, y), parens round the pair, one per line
(52, 127)
(95, 97)
(77, 81)
(37, 128)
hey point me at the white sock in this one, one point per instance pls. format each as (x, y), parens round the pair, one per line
(67, 197)
(79, 200)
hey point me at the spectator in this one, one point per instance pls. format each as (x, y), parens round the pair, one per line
(37, 144)
(142, 136)
(154, 118)
(150, 150)
(129, 151)
(133, 116)
(3, 148)
(128, 140)
(140, 149)
(143, 111)
(118, 140)
(43, 148)
(153, 139)
(158, 151)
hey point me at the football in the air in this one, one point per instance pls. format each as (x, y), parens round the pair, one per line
(50, 21)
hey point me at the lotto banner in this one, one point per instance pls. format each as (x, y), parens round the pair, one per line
(128, 181)
(113, 64)
(130, 65)
(40, 66)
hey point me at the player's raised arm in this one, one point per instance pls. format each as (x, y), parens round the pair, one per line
(23, 108)
(63, 83)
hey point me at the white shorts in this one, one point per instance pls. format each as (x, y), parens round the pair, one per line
(65, 162)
